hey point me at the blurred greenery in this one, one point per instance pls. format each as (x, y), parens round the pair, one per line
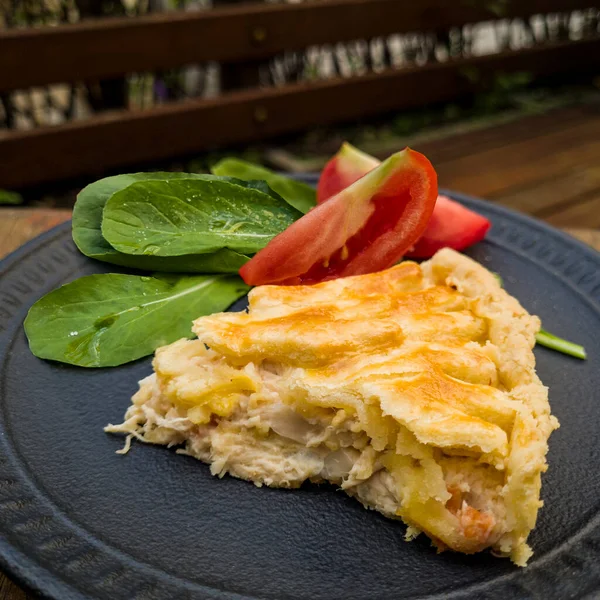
(13, 198)
(496, 7)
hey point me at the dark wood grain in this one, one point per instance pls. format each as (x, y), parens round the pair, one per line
(108, 47)
(586, 211)
(591, 237)
(504, 135)
(543, 196)
(501, 170)
(10, 591)
(122, 138)
(19, 225)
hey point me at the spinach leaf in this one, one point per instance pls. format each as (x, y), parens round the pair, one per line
(193, 216)
(107, 320)
(87, 234)
(300, 195)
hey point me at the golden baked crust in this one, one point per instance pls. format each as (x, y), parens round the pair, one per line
(414, 389)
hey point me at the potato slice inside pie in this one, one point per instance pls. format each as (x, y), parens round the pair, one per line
(413, 389)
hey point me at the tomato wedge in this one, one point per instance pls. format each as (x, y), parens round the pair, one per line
(451, 225)
(366, 227)
(348, 165)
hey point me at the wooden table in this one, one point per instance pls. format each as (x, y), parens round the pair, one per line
(21, 224)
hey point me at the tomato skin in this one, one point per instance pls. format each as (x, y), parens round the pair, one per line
(366, 227)
(348, 165)
(452, 225)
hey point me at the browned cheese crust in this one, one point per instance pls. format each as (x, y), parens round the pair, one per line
(413, 389)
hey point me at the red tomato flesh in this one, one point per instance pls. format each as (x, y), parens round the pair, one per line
(451, 224)
(348, 165)
(366, 227)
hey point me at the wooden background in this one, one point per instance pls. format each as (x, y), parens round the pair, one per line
(241, 36)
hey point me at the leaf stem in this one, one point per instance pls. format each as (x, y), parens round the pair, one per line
(544, 338)
(549, 340)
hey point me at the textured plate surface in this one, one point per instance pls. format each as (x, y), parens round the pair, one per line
(79, 521)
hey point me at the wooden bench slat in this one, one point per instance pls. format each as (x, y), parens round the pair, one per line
(91, 147)
(491, 172)
(474, 142)
(545, 195)
(109, 47)
(587, 212)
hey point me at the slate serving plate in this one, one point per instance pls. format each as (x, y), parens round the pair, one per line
(79, 521)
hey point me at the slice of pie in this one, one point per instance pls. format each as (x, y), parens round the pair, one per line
(413, 389)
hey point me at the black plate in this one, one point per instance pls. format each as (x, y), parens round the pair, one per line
(78, 521)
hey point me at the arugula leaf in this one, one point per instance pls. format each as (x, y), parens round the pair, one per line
(87, 234)
(193, 216)
(108, 320)
(300, 195)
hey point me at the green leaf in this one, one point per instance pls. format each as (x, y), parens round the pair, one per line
(193, 216)
(13, 198)
(107, 320)
(87, 234)
(547, 339)
(300, 195)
